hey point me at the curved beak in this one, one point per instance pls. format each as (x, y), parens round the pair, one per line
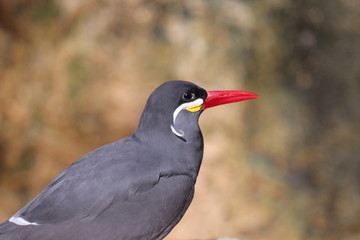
(216, 98)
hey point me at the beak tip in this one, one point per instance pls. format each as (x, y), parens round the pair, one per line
(216, 98)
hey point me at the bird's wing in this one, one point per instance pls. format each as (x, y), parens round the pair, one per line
(87, 187)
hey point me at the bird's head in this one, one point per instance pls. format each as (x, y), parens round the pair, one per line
(174, 107)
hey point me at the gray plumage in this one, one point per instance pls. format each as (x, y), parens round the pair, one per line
(135, 188)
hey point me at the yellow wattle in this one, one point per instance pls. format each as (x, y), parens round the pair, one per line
(194, 108)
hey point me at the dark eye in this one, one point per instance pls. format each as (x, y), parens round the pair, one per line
(188, 96)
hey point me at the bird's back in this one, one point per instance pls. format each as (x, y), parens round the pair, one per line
(120, 191)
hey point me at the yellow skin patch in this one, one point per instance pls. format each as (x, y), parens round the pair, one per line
(194, 108)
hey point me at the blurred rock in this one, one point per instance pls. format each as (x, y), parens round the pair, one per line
(75, 75)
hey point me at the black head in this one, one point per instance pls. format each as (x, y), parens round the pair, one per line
(172, 111)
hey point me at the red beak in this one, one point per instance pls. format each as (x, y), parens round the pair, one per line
(215, 98)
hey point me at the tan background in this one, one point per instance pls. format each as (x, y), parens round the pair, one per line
(74, 75)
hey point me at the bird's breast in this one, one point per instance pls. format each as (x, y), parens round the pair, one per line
(152, 211)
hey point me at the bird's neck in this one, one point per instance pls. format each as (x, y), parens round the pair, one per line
(158, 130)
(182, 156)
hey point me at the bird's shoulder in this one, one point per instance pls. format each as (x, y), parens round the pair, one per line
(91, 184)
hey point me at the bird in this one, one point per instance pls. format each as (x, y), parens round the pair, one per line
(138, 187)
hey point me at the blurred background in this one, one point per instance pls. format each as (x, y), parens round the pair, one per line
(75, 75)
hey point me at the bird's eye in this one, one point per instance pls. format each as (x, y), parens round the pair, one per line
(188, 96)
